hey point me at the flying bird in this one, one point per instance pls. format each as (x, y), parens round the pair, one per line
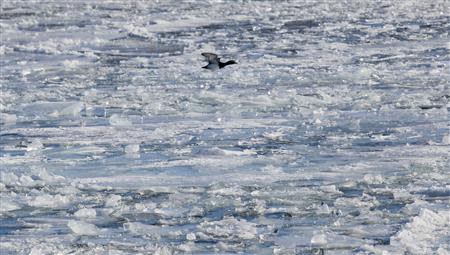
(214, 61)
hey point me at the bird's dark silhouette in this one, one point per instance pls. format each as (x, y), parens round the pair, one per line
(214, 61)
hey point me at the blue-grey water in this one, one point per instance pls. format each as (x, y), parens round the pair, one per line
(330, 135)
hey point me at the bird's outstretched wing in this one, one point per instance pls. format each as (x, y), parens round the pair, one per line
(211, 57)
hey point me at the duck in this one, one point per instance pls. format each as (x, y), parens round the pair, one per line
(214, 61)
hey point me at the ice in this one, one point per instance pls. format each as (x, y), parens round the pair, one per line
(116, 120)
(35, 145)
(163, 251)
(56, 109)
(9, 178)
(330, 135)
(83, 228)
(6, 118)
(132, 149)
(319, 239)
(229, 228)
(47, 177)
(85, 213)
(50, 201)
(155, 232)
(113, 200)
(373, 179)
(8, 206)
(425, 234)
(446, 139)
(191, 236)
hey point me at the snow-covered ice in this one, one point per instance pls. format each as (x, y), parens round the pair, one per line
(330, 135)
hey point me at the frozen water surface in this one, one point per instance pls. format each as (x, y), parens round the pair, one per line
(331, 135)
